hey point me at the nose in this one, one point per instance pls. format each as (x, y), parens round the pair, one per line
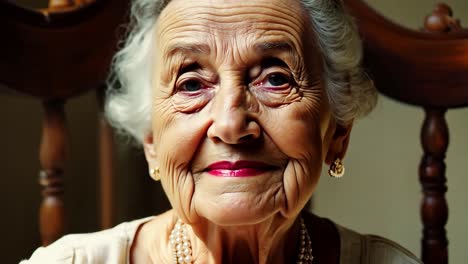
(233, 119)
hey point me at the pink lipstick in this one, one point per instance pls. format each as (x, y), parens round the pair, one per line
(241, 168)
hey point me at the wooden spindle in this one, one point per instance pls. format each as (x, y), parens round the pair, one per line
(106, 163)
(434, 209)
(52, 157)
(106, 153)
(435, 139)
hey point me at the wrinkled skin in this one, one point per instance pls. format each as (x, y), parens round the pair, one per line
(232, 81)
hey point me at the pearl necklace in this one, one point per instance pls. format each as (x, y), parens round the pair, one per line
(305, 250)
(182, 249)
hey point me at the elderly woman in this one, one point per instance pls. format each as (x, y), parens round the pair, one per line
(237, 105)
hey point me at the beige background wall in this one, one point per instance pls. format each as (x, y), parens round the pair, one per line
(380, 193)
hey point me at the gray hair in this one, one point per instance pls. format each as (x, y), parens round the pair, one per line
(350, 91)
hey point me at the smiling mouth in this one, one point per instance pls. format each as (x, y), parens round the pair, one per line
(241, 168)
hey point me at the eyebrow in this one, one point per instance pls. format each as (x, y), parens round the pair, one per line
(266, 47)
(183, 48)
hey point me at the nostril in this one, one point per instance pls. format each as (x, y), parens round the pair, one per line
(246, 138)
(216, 139)
(233, 130)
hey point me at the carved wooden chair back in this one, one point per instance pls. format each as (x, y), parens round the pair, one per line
(428, 68)
(55, 54)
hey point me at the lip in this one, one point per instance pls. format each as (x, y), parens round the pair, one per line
(241, 168)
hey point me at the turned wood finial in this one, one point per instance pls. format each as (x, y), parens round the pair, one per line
(54, 4)
(441, 20)
(66, 4)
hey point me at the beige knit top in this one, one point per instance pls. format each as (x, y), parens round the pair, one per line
(112, 246)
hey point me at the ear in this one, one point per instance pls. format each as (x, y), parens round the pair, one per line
(339, 143)
(148, 147)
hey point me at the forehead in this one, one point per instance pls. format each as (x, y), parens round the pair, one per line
(225, 22)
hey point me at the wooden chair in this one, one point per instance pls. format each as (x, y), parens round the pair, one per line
(55, 54)
(429, 69)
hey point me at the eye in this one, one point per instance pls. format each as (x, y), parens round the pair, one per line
(191, 85)
(277, 79)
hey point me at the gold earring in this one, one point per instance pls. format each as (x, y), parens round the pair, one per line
(154, 173)
(337, 169)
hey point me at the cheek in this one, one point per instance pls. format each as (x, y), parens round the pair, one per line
(178, 137)
(299, 136)
(298, 131)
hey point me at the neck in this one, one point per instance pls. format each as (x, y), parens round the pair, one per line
(274, 240)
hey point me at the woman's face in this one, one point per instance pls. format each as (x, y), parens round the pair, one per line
(241, 124)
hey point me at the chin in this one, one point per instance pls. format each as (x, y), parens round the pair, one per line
(238, 209)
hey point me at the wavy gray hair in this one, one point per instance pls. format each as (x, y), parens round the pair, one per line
(350, 92)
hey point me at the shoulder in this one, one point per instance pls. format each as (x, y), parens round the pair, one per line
(367, 249)
(342, 245)
(108, 246)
